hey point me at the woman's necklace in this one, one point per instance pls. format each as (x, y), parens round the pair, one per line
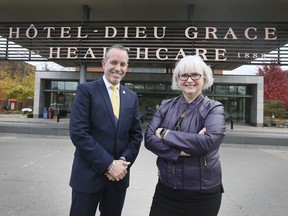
(178, 123)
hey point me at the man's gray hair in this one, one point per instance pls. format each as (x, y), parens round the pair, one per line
(116, 46)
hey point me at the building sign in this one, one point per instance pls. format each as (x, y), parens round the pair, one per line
(160, 43)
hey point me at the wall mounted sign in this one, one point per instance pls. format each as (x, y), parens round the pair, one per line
(222, 45)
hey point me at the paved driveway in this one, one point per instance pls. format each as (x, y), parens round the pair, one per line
(34, 176)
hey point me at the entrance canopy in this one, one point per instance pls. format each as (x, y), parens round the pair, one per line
(226, 33)
(131, 10)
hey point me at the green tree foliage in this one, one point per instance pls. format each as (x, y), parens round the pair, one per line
(16, 80)
(15, 69)
(275, 87)
(274, 108)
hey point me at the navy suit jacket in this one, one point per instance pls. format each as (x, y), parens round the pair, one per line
(98, 140)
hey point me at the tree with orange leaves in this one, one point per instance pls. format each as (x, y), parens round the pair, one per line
(275, 83)
(275, 90)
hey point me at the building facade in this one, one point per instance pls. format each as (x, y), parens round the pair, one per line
(227, 34)
(242, 96)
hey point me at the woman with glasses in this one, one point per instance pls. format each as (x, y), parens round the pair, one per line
(185, 133)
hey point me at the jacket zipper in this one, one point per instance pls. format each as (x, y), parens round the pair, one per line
(174, 174)
(205, 163)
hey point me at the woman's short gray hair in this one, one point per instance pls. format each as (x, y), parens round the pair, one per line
(192, 64)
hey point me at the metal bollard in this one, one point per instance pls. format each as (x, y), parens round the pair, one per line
(58, 115)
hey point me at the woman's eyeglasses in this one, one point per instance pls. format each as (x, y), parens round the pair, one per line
(185, 77)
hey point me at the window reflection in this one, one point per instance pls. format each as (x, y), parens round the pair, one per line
(235, 98)
(139, 86)
(129, 85)
(242, 90)
(160, 87)
(71, 85)
(230, 90)
(62, 85)
(54, 85)
(149, 86)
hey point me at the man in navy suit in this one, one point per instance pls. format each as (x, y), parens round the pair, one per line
(106, 145)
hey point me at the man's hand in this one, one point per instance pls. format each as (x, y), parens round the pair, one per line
(117, 170)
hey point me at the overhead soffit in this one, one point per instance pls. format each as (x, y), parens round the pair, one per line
(131, 10)
(160, 10)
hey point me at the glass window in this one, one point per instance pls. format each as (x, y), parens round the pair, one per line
(54, 85)
(48, 85)
(233, 90)
(139, 86)
(230, 90)
(208, 91)
(160, 87)
(149, 86)
(129, 85)
(71, 85)
(241, 90)
(61, 85)
(221, 89)
(236, 108)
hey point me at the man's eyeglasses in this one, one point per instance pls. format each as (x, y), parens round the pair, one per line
(185, 77)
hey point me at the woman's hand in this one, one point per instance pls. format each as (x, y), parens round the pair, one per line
(157, 133)
(182, 153)
(202, 131)
(161, 133)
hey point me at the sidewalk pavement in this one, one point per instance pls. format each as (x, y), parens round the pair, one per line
(35, 172)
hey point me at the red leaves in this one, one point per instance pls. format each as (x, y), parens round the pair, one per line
(275, 83)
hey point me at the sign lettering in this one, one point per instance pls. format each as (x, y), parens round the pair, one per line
(158, 41)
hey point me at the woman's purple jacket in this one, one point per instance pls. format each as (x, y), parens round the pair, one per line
(201, 170)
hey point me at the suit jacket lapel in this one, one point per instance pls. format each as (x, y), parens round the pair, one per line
(123, 102)
(106, 98)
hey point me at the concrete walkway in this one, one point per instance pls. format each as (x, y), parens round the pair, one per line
(35, 171)
(36, 157)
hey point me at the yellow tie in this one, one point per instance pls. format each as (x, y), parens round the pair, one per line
(115, 101)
